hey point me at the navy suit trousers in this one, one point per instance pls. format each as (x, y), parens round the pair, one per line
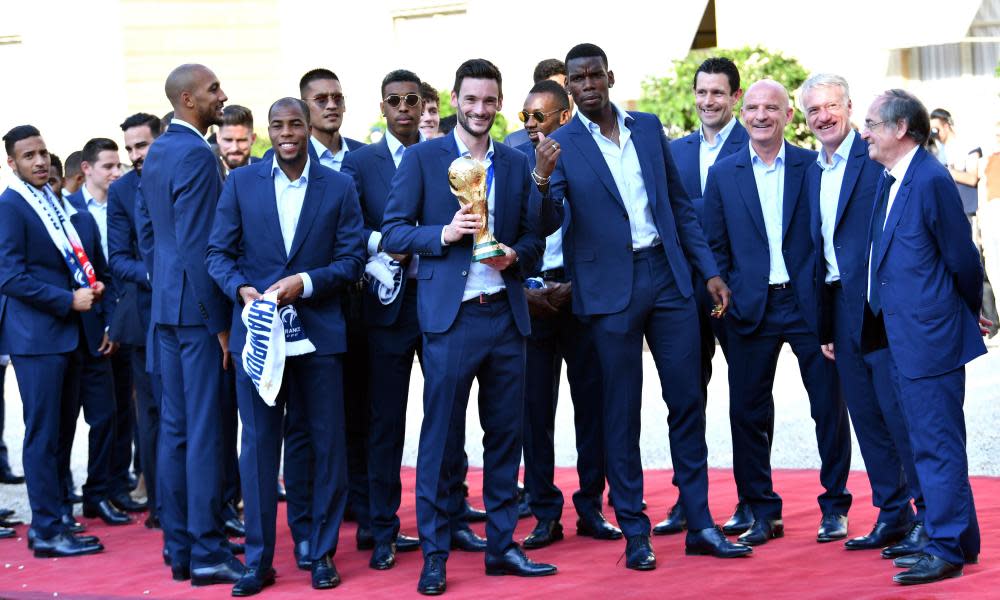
(190, 453)
(121, 453)
(95, 396)
(148, 391)
(3, 446)
(667, 319)
(554, 339)
(314, 378)
(484, 344)
(754, 359)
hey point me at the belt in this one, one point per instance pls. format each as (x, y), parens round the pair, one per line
(557, 274)
(780, 286)
(489, 298)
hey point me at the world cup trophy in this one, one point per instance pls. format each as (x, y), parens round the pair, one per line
(467, 178)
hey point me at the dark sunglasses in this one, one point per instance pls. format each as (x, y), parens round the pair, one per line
(539, 115)
(393, 100)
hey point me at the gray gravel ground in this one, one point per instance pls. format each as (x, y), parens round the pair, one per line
(794, 445)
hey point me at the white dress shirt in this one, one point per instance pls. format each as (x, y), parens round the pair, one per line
(100, 212)
(709, 153)
(771, 190)
(898, 172)
(328, 158)
(396, 151)
(183, 123)
(290, 196)
(623, 162)
(831, 182)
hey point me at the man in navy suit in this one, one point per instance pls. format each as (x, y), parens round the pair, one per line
(180, 188)
(473, 316)
(716, 92)
(548, 69)
(629, 247)
(757, 220)
(45, 291)
(292, 226)
(131, 323)
(841, 194)
(924, 295)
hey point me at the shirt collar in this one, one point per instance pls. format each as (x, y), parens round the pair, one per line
(396, 146)
(754, 158)
(842, 153)
(623, 119)
(88, 198)
(322, 150)
(183, 123)
(903, 164)
(276, 172)
(720, 137)
(464, 150)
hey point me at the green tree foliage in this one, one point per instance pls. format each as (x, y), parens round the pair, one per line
(672, 97)
(499, 130)
(261, 145)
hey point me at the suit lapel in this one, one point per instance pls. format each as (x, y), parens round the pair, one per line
(793, 185)
(268, 204)
(501, 184)
(310, 206)
(584, 141)
(643, 149)
(385, 166)
(852, 170)
(746, 183)
(898, 204)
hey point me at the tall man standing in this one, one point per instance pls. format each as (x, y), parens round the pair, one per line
(632, 231)
(924, 294)
(180, 188)
(473, 316)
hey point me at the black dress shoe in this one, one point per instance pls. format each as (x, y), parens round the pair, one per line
(364, 538)
(713, 542)
(8, 476)
(302, 560)
(106, 512)
(226, 572)
(83, 539)
(180, 572)
(639, 553)
(675, 522)
(473, 515)
(514, 562)
(831, 528)
(407, 543)
(881, 535)
(10, 521)
(125, 503)
(908, 561)
(597, 527)
(928, 569)
(71, 524)
(324, 574)
(253, 582)
(546, 532)
(6, 532)
(432, 577)
(73, 498)
(761, 531)
(152, 522)
(235, 528)
(166, 557)
(64, 545)
(6, 513)
(741, 520)
(237, 548)
(383, 557)
(915, 541)
(466, 540)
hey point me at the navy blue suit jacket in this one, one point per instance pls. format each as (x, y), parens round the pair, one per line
(36, 314)
(930, 275)
(850, 233)
(180, 187)
(352, 145)
(246, 247)
(135, 298)
(420, 205)
(597, 242)
(734, 222)
(687, 155)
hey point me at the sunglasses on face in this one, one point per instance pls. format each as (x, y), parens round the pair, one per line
(394, 100)
(539, 115)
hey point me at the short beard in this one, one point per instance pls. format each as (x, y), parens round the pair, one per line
(463, 122)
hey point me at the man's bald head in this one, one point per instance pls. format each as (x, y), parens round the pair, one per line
(196, 95)
(289, 103)
(185, 78)
(771, 85)
(766, 111)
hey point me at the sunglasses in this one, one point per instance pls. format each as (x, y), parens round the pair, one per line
(539, 115)
(394, 100)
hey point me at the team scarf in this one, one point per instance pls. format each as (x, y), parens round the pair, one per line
(384, 275)
(272, 334)
(61, 231)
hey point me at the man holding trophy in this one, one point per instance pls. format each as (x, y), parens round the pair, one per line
(472, 310)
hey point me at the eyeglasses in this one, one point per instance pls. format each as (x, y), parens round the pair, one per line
(871, 125)
(394, 100)
(539, 115)
(323, 99)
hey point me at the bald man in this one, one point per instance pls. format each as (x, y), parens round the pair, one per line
(757, 219)
(180, 188)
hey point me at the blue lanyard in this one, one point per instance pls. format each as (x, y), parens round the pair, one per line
(489, 180)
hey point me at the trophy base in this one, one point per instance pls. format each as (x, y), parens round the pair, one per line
(485, 250)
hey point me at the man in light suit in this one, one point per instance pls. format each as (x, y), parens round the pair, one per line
(473, 316)
(841, 187)
(631, 241)
(45, 291)
(757, 218)
(716, 92)
(291, 226)
(180, 189)
(924, 296)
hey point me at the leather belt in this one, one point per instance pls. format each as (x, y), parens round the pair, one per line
(489, 298)
(557, 274)
(780, 286)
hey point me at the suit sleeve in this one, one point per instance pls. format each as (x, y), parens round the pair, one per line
(400, 232)
(225, 241)
(951, 230)
(124, 265)
(14, 279)
(352, 168)
(348, 250)
(530, 244)
(144, 232)
(689, 230)
(109, 300)
(715, 225)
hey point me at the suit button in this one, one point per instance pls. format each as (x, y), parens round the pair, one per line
(465, 273)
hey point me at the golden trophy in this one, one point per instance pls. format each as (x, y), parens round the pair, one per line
(467, 178)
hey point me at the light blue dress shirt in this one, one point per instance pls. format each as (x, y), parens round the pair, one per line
(771, 190)
(327, 158)
(709, 153)
(290, 196)
(831, 182)
(623, 162)
(100, 212)
(482, 279)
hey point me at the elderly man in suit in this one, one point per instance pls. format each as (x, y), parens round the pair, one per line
(923, 298)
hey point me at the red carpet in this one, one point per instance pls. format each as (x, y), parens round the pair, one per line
(792, 567)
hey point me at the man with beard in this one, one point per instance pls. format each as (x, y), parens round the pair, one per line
(235, 137)
(180, 187)
(313, 254)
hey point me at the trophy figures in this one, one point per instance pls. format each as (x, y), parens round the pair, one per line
(467, 178)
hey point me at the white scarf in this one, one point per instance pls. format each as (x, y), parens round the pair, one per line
(272, 334)
(385, 276)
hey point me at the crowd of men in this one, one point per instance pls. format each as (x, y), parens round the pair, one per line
(140, 298)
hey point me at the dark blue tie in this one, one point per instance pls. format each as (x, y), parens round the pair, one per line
(878, 225)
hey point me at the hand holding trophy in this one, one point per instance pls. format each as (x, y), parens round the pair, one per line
(467, 178)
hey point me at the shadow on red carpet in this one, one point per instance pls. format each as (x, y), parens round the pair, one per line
(792, 567)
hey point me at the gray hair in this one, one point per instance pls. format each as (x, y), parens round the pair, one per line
(822, 80)
(899, 105)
